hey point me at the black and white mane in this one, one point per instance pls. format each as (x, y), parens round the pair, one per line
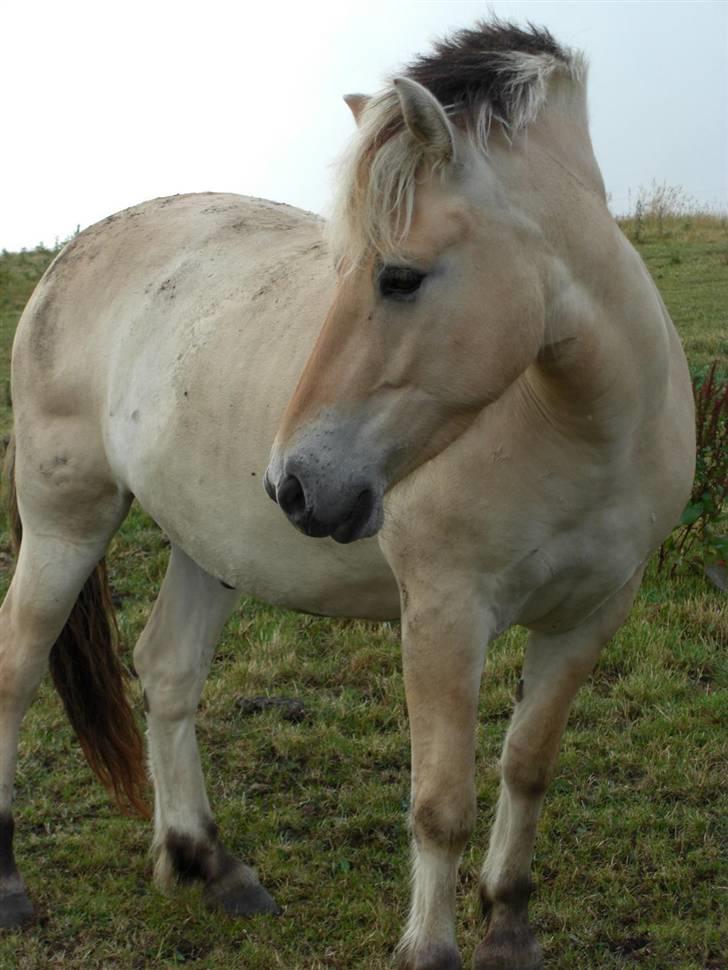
(494, 72)
(495, 64)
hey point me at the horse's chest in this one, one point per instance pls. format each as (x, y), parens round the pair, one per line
(574, 572)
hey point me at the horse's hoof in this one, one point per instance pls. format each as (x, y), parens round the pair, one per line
(15, 910)
(511, 949)
(433, 956)
(247, 899)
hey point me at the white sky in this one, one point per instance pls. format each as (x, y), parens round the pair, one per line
(107, 104)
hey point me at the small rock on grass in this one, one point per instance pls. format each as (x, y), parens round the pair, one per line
(290, 708)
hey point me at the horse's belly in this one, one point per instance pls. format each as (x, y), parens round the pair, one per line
(202, 482)
(248, 544)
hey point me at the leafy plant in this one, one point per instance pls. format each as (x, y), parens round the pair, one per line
(701, 539)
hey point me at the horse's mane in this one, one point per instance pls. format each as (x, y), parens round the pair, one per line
(494, 72)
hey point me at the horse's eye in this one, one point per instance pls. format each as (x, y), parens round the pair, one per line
(399, 282)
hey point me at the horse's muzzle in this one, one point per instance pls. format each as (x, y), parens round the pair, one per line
(346, 512)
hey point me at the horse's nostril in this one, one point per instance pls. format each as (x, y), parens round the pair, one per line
(291, 498)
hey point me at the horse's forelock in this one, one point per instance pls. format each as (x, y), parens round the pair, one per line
(375, 182)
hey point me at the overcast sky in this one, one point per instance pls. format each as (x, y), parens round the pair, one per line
(108, 104)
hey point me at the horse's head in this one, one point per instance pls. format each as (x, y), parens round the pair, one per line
(439, 307)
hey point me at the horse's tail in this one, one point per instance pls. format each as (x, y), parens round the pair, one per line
(90, 678)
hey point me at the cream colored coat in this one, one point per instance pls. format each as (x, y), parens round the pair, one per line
(536, 419)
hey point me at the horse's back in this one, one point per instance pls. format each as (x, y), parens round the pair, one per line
(124, 272)
(156, 357)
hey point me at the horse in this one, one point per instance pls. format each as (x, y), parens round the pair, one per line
(465, 385)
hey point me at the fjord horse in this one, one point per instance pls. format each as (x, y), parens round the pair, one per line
(497, 409)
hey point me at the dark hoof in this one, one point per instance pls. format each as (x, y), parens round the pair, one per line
(509, 950)
(15, 910)
(433, 956)
(230, 886)
(250, 899)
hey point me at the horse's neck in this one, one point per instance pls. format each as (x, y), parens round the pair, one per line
(560, 135)
(606, 337)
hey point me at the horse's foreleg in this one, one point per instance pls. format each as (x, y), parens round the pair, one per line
(172, 658)
(555, 666)
(443, 644)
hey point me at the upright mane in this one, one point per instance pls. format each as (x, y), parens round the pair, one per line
(493, 72)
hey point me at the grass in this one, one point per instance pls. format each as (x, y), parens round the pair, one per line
(628, 863)
(688, 258)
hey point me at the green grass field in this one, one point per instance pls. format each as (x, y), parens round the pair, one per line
(628, 865)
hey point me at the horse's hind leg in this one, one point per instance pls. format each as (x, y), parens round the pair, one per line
(172, 658)
(50, 573)
(554, 668)
(70, 505)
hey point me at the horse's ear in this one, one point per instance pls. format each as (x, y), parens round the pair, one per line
(425, 117)
(356, 104)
